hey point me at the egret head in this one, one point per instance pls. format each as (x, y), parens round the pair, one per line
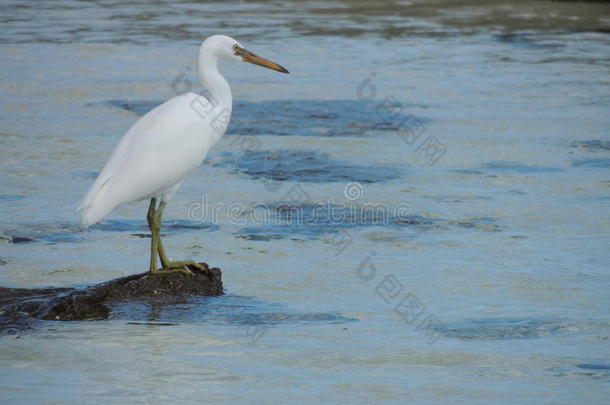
(226, 48)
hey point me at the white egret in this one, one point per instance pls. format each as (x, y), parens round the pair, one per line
(164, 146)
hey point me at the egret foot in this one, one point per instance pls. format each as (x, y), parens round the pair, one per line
(156, 247)
(172, 270)
(184, 265)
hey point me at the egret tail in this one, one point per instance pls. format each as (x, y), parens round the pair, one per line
(96, 204)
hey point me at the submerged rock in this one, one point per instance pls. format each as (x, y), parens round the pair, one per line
(65, 304)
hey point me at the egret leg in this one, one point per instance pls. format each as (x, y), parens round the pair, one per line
(167, 265)
(154, 236)
(160, 248)
(154, 223)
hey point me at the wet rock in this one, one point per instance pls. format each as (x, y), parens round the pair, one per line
(64, 304)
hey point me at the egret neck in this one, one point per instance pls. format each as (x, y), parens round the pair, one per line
(216, 88)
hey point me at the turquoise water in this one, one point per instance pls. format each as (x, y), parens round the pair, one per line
(417, 213)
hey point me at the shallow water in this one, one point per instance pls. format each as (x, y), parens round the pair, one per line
(418, 212)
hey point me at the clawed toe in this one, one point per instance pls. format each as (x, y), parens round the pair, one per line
(186, 267)
(171, 270)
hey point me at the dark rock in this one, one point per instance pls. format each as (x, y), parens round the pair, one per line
(92, 303)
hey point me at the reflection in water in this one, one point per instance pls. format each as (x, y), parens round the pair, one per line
(19, 309)
(224, 310)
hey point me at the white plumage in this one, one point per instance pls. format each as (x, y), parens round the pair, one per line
(168, 143)
(153, 158)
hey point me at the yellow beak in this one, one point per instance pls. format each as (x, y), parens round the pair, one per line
(248, 56)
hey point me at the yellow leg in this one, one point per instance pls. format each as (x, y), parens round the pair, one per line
(154, 236)
(160, 248)
(154, 218)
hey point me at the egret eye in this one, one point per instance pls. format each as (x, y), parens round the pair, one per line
(235, 48)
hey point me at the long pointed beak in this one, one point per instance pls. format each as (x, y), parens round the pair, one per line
(248, 56)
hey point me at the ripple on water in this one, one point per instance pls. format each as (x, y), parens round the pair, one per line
(527, 40)
(589, 366)
(329, 118)
(595, 371)
(480, 223)
(138, 107)
(14, 324)
(592, 163)
(316, 220)
(503, 328)
(517, 168)
(123, 225)
(71, 232)
(44, 232)
(305, 166)
(228, 309)
(595, 144)
(11, 197)
(224, 310)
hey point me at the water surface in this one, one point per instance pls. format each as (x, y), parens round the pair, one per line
(479, 131)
